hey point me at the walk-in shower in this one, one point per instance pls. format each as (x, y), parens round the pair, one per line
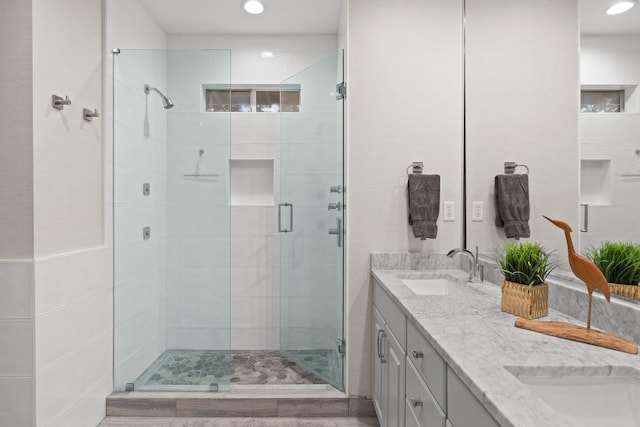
(228, 261)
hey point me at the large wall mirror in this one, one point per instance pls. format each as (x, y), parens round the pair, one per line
(582, 147)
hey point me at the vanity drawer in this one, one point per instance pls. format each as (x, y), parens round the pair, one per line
(464, 409)
(427, 362)
(393, 316)
(421, 408)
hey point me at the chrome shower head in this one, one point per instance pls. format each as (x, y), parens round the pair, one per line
(166, 101)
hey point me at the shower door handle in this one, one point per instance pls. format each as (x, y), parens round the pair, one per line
(290, 227)
(585, 220)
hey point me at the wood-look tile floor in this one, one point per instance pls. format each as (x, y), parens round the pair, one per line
(238, 422)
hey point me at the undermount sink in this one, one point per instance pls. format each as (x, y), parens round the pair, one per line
(595, 397)
(424, 284)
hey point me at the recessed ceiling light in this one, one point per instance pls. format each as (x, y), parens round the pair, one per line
(621, 7)
(267, 55)
(254, 7)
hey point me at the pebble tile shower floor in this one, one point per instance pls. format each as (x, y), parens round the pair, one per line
(207, 367)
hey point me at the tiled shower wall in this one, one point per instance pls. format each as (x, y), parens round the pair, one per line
(254, 245)
(197, 261)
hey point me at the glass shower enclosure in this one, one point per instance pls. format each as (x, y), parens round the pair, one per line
(172, 206)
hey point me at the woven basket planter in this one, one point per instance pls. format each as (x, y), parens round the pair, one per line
(524, 301)
(629, 291)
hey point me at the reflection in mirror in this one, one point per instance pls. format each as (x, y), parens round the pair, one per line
(609, 134)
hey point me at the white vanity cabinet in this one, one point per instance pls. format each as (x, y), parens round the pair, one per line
(412, 384)
(389, 334)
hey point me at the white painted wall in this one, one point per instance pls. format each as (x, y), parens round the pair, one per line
(521, 105)
(404, 102)
(140, 156)
(613, 61)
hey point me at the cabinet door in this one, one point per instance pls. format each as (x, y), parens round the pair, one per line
(379, 367)
(463, 409)
(395, 382)
(421, 404)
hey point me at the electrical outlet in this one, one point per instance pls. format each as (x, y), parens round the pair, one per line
(477, 211)
(449, 211)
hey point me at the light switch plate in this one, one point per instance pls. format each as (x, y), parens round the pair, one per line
(477, 211)
(449, 211)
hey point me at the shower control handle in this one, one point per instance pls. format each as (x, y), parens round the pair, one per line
(337, 231)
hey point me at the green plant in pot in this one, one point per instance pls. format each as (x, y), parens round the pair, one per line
(526, 267)
(620, 264)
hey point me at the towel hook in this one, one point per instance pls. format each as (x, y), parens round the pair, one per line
(417, 168)
(510, 167)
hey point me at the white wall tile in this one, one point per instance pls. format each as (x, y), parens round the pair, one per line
(254, 312)
(16, 340)
(63, 279)
(255, 282)
(16, 288)
(255, 127)
(192, 338)
(66, 383)
(255, 339)
(60, 334)
(262, 251)
(17, 396)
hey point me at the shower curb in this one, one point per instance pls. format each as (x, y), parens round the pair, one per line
(231, 404)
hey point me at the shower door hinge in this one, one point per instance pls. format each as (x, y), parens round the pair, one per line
(341, 91)
(341, 344)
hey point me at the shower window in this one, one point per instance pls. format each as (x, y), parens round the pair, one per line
(278, 101)
(249, 98)
(602, 101)
(228, 100)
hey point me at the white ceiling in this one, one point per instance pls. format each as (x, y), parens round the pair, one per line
(594, 20)
(322, 17)
(228, 16)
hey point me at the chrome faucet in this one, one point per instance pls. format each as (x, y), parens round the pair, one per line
(476, 269)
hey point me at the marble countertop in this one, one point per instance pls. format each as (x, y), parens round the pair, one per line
(477, 340)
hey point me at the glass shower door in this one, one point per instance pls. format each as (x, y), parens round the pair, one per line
(311, 221)
(171, 222)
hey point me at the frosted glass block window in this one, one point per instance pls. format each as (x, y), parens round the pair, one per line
(602, 101)
(249, 98)
(274, 101)
(225, 100)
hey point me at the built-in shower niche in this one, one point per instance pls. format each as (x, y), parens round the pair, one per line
(595, 182)
(252, 182)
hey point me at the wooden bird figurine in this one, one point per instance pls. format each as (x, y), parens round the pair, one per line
(583, 268)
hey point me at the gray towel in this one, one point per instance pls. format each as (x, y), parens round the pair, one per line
(512, 204)
(424, 205)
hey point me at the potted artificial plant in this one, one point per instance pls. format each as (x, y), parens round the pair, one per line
(620, 264)
(525, 267)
